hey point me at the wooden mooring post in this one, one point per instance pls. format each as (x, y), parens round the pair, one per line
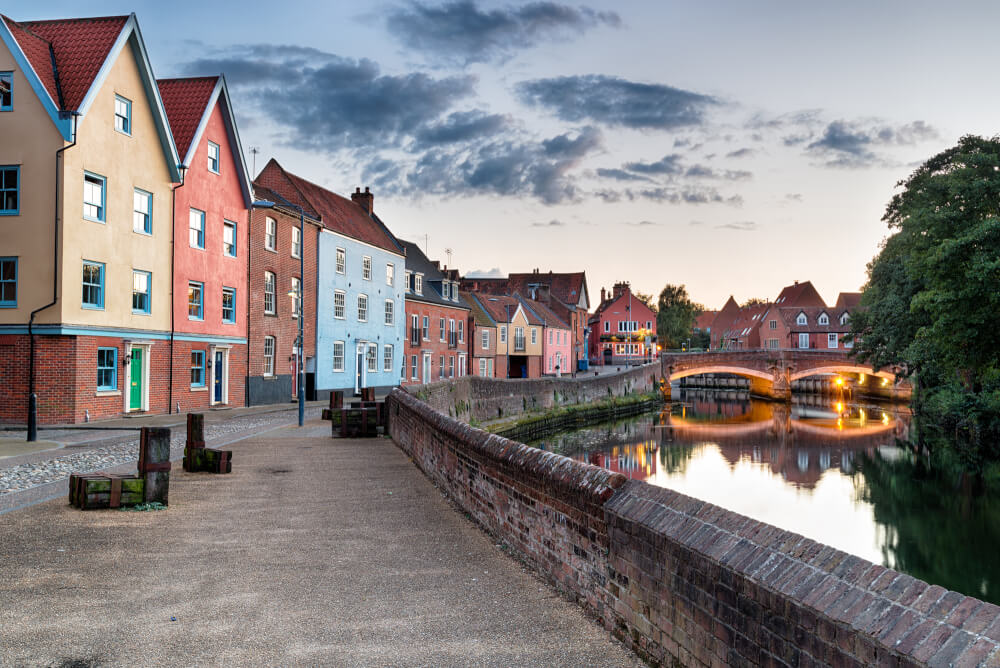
(154, 463)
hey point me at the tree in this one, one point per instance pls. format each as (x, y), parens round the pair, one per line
(675, 316)
(931, 300)
(753, 301)
(645, 299)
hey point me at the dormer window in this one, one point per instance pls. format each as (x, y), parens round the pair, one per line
(823, 319)
(445, 289)
(408, 277)
(844, 318)
(802, 319)
(213, 157)
(418, 283)
(123, 115)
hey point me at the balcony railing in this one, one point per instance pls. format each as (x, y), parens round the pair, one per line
(414, 336)
(519, 344)
(452, 339)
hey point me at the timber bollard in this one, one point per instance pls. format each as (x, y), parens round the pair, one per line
(367, 394)
(199, 458)
(195, 431)
(154, 463)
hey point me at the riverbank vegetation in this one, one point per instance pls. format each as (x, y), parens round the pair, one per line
(931, 306)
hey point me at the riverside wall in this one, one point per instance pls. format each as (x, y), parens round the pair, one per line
(684, 582)
(478, 399)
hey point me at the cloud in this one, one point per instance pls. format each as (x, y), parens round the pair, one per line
(551, 223)
(461, 126)
(741, 153)
(614, 101)
(619, 175)
(696, 223)
(461, 32)
(668, 164)
(745, 226)
(325, 102)
(671, 195)
(486, 273)
(701, 171)
(644, 223)
(794, 197)
(850, 144)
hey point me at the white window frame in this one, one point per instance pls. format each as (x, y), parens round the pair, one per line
(832, 338)
(387, 357)
(338, 357)
(607, 326)
(271, 234)
(503, 333)
(272, 293)
(414, 373)
(341, 261)
(229, 225)
(296, 292)
(218, 157)
(296, 243)
(408, 276)
(823, 319)
(486, 339)
(483, 366)
(418, 284)
(801, 319)
(269, 357)
(390, 313)
(534, 335)
(362, 308)
(425, 330)
(461, 331)
(390, 274)
(371, 357)
(441, 329)
(339, 304)
(803, 338)
(366, 267)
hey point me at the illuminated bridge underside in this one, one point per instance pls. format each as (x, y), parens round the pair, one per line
(772, 372)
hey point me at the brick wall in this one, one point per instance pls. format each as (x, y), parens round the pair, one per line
(474, 397)
(684, 582)
(194, 399)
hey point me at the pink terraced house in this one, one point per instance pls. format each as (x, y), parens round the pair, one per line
(557, 341)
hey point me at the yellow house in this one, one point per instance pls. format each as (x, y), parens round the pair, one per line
(87, 164)
(519, 336)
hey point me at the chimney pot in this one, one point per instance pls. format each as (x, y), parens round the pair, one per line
(365, 200)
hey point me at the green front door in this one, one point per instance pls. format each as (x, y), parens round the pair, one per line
(135, 398)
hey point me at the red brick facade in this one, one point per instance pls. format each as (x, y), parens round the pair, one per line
(439, 343)
(187, 398)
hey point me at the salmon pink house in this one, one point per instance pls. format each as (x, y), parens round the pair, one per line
(557, 341)
(208, 346)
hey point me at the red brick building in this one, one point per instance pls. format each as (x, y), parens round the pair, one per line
(814, 327)
(275, 246)
(211, 235)
(437, 322)
(622, 328)
(483, 342)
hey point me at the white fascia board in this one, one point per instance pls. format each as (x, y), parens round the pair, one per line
(327, 230)
(64, 125)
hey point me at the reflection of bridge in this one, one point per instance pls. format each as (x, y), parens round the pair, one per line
(771, 372)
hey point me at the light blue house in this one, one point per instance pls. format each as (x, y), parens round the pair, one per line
(360, 297)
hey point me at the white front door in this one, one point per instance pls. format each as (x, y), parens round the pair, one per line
(427, 368)
(360, 368)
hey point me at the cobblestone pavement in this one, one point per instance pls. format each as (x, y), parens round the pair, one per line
(106, 449)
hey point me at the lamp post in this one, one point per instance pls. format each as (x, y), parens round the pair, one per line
(300, 341)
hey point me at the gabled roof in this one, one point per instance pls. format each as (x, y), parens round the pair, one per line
(799, 294)
(67, 61)
(502, 308)
(567, 288)
(847, 301)
(637, 304)
(749, 319)
(417, 262)
(189, 104)
(704, 320)
(337, 214)
(479, 314)
(789, 316)
(546, 315)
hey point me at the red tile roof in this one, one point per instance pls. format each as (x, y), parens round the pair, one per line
(80, 47)
(185, 101)
(704, 320)
(791, 313)
(499, 306)
(799, 294)
(337, 213)
(567, 288)
(847, 301)
(546, 314)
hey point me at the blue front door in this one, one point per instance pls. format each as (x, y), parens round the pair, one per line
(220, 375)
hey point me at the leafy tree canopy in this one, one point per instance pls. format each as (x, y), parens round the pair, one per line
(675, 316)
(753, 301)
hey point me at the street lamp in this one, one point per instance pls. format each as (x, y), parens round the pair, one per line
(300, 342)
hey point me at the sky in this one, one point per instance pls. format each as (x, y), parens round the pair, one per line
(732, 147)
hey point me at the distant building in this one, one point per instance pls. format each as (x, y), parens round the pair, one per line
(557, 341)
(519, 336)
(809, 327)
(483, 337)
(622, 328)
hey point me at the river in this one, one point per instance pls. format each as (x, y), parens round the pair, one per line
(823, 467)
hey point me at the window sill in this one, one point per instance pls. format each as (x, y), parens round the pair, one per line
(10, 213)
(196, 319)
(8, 305)
(270, 315)
(199, 388)
(228, 322)
(201, 248)
(94, 220)
(271, 250)
(108, 393)
(92, 308)
(141, 313)
(142, 233)
(271, 377)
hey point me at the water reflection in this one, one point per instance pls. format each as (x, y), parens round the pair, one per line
(820, 467)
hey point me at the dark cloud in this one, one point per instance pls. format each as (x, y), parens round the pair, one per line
(741, 153)
(670, 195)
(617, 102)
(852, 144)
(462, 32)
(326, 102)
(668, 164)
(619, 175)
(461, 126)
(703, 172)
(745, 226)
(551, 223)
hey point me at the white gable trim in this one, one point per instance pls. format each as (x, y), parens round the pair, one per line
(203, 123)
(63, 124)
(131, 34)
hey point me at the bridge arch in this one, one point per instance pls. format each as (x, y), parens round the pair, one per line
(840, 368)
(721, 368)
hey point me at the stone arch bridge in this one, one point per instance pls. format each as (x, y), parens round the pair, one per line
(771, 372)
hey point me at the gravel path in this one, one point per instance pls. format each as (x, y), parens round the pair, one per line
(109, 452)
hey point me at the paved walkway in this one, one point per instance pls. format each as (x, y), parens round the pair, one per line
(314, 551)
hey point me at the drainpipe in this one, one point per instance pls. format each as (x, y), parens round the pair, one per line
(246, 378)
(173, 244)
(32, 399)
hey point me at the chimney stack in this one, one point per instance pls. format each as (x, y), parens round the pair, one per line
(364, 199)
(603, 295)
(619, 289)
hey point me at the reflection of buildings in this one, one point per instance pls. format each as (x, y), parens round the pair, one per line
(799, 443)
(636, 461)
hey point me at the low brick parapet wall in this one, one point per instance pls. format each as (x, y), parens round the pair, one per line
(684, 582)
(483, 399)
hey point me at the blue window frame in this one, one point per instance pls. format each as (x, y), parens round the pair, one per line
(10, 190)
(196, 300)
(142, 211)
(229, 305)
(123, 115)
(93, 284)
(107, 368)
(213, 157)
(197, 368)
(229, 238)
(196, 228)
(8, 282)
(6, 91)
(141, 281)
(94, 191)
